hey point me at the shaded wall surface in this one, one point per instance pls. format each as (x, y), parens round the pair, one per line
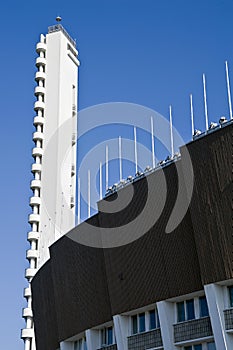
(83, 286)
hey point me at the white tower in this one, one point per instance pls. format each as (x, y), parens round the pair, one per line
(54, 167)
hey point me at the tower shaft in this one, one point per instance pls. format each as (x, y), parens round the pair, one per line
(54, 153)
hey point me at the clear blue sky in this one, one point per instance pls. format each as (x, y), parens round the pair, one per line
(150, 52)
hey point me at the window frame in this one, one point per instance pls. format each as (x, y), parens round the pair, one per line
(201, 313)
(230, 296)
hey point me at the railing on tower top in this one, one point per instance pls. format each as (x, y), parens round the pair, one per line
(59, 27)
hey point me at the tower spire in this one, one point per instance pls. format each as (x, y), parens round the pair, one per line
(58, 19)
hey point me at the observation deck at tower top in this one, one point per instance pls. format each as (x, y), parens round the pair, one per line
(58, 28)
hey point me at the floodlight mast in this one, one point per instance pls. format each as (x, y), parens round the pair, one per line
(106, 167)
(101, 191)
(120, 157)
(89, 192)
(171, 132)
(205, 102)
(192, 115)
(152, 142)
(228, 90)
(79, 201)
(135, 149)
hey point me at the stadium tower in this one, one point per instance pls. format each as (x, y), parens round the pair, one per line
(53, 185)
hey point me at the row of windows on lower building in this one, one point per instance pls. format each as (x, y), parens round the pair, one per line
(186, 310)
(145, 321)
(107, 337)
(108, 340)
(203, 346)
(192, 308)
(80, 344)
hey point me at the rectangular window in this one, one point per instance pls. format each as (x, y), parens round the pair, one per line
(152, 319)
(231, 295)
(157, 319)
(103, 337)
(78, 345)
(211, 346)
(180, 312)
(204, 312)
(134, 324)
(193, 347)
(190, 310)
(197, 347)
(142, 322)
(109, 336)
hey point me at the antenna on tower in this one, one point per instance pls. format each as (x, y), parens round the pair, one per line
(152, 141)
(228, 90)
(171, 132)
(205, 102)
(192, 116)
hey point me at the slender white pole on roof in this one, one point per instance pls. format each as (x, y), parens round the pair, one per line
(101, 191)
(120, 157)
(192, 115)
(79, 201)
(171, 132)
(152, 142)
(135, 149)
(89, 193)
(106, 160)
(205, 102)
(228, 89)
